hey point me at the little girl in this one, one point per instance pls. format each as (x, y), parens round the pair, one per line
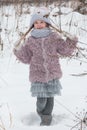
(41, 51)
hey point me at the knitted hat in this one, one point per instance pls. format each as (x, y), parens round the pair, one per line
(40, 14)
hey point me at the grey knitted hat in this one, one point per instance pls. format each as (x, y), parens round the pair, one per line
(36, 17)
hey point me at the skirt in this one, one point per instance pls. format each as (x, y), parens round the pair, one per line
(50, 89)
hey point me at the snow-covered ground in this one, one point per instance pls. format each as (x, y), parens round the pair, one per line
(18, 107)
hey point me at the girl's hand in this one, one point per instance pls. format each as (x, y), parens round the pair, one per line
(73, 38)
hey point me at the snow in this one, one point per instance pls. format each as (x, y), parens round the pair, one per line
(18, 107)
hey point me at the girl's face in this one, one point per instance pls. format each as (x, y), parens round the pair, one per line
(39, 24)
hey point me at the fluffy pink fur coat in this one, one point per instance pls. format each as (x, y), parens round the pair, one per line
(43, 56)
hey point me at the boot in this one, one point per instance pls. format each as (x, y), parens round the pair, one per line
(46, 120)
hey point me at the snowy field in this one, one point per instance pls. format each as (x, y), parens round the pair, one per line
(18, 107)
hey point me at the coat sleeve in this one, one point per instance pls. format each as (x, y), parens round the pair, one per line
(24, 54)
(66, 48)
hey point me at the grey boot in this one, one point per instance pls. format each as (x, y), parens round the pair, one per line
(46, 120)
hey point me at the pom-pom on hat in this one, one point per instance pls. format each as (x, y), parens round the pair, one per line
(42, 10)
(41, 13)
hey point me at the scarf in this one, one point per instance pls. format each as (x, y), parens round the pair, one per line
(38, 33)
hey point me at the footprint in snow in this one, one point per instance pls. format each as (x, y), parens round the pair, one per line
(31, 119)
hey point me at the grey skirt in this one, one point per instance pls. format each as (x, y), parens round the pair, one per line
(49, 89)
